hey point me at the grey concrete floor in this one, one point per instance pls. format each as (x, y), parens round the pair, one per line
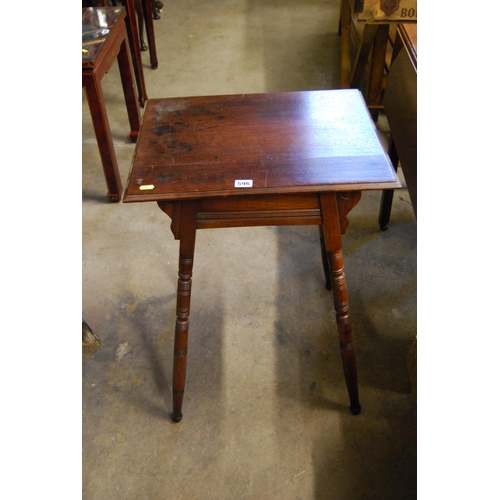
(266, 412)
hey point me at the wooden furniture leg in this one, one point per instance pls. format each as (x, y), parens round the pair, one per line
(156, 15)
(140, 23)
(376, 73)
(324, 258)
(186, 256)
(150, 32)
(345, 45)
(333, 241)
(129, 90)
(388, 194)
(135, 49)
(363, 55)
(100, 121)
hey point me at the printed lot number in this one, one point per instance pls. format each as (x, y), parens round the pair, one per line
(247, 183)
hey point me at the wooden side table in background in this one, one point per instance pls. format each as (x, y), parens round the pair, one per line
(135, 46)
(104, 39)
(131, 23)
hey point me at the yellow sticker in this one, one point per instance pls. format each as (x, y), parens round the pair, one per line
(84, 50)
(146, 187)
(117, 10)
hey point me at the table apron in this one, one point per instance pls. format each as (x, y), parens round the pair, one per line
(271, 210)
(258, 218)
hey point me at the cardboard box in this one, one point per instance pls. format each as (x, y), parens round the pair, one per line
(385, 10)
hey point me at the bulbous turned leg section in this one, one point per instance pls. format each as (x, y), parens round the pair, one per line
(181, 334)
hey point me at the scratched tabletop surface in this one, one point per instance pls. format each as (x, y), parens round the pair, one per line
(312, 141)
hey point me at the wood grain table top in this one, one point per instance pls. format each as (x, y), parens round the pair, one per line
(254, 144)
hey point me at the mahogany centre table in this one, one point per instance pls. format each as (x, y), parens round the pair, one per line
(294, 158)
(104, 39)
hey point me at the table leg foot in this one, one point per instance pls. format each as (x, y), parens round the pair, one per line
(355, 409)
(133, 136)
(113, 197)
(176, 417)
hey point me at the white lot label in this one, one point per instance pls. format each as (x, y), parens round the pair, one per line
(243, 183)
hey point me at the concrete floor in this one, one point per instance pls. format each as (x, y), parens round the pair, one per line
(266, 412)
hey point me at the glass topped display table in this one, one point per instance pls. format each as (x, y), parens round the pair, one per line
(104, 39)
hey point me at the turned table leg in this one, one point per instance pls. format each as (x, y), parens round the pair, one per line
(333, 243)
(186, 256)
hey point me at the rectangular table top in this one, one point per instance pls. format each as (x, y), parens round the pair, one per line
(291, 142)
